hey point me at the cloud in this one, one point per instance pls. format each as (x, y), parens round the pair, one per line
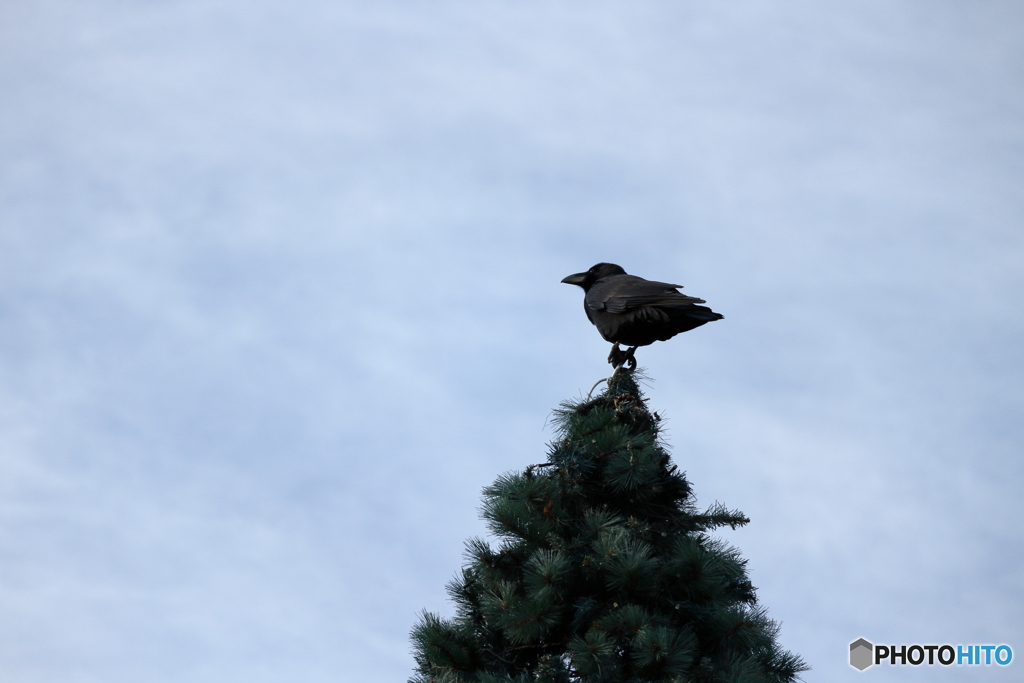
(280, 295)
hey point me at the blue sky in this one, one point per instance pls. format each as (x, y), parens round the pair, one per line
(279, 294)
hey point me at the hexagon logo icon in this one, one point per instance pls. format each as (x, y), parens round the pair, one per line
(861, 654)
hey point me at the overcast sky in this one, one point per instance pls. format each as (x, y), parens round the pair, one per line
(279, 294)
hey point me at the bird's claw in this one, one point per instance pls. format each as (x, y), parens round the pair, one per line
(619, 358)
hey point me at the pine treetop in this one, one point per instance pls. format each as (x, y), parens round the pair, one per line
(603, 571)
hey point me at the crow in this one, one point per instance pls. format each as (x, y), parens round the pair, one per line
(630, 310)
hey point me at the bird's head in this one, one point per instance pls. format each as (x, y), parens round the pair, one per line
(588, 278)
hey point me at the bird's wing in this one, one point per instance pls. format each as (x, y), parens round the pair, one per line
(625, 293)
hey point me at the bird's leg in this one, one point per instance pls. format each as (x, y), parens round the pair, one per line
(615, 356)
(618, 357)
(630, 359)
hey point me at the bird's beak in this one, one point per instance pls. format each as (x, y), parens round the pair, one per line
(577, 279)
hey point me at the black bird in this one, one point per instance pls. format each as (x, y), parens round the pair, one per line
(630, 310)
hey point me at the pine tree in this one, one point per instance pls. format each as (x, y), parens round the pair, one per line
(604, 570)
